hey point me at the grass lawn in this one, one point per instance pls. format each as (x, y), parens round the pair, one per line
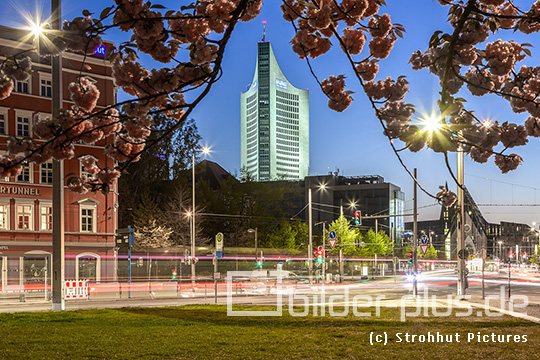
(206, 332)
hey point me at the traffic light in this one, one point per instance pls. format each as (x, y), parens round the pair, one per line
(327, 253)
(510, 254)
(260, 263)
(410, 255)
(319, 255)
(357, 220)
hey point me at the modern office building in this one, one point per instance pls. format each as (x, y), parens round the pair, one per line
(26, 200)
(274, 129)
(380, 204)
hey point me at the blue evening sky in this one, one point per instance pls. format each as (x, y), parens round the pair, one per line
(351, 141)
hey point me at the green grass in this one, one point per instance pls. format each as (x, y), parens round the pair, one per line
(206, 332)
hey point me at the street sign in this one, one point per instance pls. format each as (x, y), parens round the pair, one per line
(219, 254)
(395, 260)
(125, 237)
(424, 248)
(332, 234)
(219, 242)
(217, 276)
(423, 239)
(332, 243)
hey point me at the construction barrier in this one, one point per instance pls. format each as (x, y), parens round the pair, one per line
(75, 289)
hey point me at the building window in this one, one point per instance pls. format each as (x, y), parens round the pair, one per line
(87, 219)
(22, 87)
(24, 217)
(46, 173)
(45, 86)
(45, 222)
(23, 125)
(4, 219)
(25, 175)
(3, 121)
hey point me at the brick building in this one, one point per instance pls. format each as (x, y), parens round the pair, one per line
(26, 201)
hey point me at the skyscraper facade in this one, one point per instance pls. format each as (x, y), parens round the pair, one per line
(274, 126)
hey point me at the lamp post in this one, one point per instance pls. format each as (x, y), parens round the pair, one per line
(254, 231)
(58, 261)
(310, 235)
(433, 123)
(461, 223)
(205, 151)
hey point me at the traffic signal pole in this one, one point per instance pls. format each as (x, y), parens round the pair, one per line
(323, 272)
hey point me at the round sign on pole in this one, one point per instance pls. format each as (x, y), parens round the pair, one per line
(332, 234)
(423, 239)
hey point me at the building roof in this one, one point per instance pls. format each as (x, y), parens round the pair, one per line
(211, 172)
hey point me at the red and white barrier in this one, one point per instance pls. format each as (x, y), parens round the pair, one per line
(75, 289)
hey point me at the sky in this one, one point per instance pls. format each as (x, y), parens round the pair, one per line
(351, 142)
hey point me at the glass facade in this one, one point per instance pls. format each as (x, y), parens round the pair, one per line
(274, 123)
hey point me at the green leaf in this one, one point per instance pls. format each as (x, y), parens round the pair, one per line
(434, 41)
(105, 12)
(98, 23)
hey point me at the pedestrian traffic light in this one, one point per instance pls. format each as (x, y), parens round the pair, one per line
(327, 253)
(410, 257)
(260, 263)
(357, 220)
(319, 254)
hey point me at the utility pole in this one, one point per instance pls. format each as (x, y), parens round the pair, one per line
(58, 265)
(461, 223)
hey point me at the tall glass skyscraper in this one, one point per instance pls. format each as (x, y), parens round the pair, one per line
(274, 128)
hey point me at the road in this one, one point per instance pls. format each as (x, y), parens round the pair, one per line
(387, 291)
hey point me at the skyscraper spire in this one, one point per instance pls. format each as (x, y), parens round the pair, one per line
(264, 31)
(274, 123)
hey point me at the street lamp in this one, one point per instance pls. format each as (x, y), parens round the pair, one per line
(58, 263)
(205, 150)
(254, 231)
(433, 123)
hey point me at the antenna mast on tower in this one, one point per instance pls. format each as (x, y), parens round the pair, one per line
(264, 31)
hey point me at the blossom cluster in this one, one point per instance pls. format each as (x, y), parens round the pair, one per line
(11, 71)
(162, 35)
(317, 21)
(491, 68)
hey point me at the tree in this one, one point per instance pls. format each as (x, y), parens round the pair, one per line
(346, 235)
(152, 236)
(431, 253)
(149, 177)
(410, 249)
(470, 60)
(287, 236)
(377, 243)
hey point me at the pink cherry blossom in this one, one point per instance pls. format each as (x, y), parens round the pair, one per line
(84, 94)
(353, 40)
